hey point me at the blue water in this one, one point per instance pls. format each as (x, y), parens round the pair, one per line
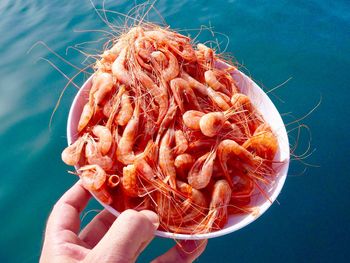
(274, 40)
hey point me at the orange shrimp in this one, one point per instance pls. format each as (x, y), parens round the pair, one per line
(217, 99)
(143, 49)
(205, 55)
(103, 83)
(214, 96)
(172, 70)
(120, 72)
(195, 84)
(180, 142)
(124, 151)
(126, 111)
(184, 50)
(94, 156)
(178, 43)
(71, 154)
(129, 180)
(220, 199)
(166, 158)
(183, 164)
(105, 138)
(181, 88)
(201, 145)
(159, 93)
(263, 142)
(200, 174)
(145, 170)
(115, 107)
(85, 117)
(194, 205)
(242, 102)
(212, 81)
(169, 117)
(211, 123)
(160, 59)
(228, 149)
(192, 118)
(92, 176)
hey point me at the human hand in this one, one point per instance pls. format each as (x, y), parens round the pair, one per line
(105, 238)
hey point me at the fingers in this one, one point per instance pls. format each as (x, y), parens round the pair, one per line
(185, 251)
(130, 233)
(97, 228)
(65, 214)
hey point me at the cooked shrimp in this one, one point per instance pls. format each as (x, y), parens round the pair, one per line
(180, 142)
(172, 69)
(192, 118)
(115, 107)
(104, 138)
(185, 50)
(183, 164)
(126, 111)
(104, 84)
(129, 180)
(220, 198)
(205, 55)
(92, 176)
(214, 96)
(228, 149)
(217, 99)
(159, 93)
(120, 72)
(168, 118)
(71, 155)
(145, 170)
(180, 88)
(124, 151)
(94, 156)
(263, 142)
(212, 122)
(195, 84)
(85, 117)
(194, 205)
(213, 82)
(202, 170)
(166, 158)
(252, 117)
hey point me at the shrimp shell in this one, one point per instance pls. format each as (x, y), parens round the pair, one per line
(200, 174)
(104, 138)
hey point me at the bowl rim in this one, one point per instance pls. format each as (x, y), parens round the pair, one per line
(248, 219)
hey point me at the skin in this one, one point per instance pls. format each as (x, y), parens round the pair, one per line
(105, 238)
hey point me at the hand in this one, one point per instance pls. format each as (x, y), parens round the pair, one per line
(105, 239)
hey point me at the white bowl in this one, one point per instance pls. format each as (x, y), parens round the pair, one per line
(271, 116)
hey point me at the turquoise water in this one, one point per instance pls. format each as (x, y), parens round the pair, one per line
(306, 40)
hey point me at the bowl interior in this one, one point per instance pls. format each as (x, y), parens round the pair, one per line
(262, 102)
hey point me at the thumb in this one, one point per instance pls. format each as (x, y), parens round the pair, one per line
(128, 236)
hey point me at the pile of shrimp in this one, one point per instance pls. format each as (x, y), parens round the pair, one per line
(166, 129)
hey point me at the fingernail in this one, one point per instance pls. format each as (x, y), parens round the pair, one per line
(153, 217)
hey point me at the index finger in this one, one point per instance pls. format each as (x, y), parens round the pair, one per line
(66, 212)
